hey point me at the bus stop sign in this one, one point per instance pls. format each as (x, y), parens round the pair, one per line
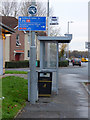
(32, 10)
(31, 23)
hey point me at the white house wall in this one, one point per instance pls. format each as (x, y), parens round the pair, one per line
(27, 47)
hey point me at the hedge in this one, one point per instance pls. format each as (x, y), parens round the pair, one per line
(64, 63)
(25, 64)
(17, 64)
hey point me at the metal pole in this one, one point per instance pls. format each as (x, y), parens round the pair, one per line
(57, 82)
(29, 86)
(68, 43)
(67, 50)
(48, 55)
(48, 18)
(68, 28)
(33, 80)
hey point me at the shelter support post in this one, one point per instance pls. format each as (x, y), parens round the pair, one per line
(42, 53)
(57, 70)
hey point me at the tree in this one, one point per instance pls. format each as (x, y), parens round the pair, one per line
(79, 54)
(41, 9)
(24, 8)
(10, 8)
(54, 31)
(62, 50)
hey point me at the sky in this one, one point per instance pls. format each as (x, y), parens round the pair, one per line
(76, 11)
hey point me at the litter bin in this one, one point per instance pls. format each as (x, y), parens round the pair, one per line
(44, 84)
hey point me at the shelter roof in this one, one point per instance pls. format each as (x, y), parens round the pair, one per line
(60, 39)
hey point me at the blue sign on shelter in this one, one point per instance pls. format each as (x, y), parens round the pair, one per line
(31, 23)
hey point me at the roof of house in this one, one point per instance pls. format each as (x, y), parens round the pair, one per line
(9, 21)
(6, 25)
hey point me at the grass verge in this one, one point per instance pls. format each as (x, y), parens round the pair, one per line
(15, 93)
(15, 72)
(0, 97)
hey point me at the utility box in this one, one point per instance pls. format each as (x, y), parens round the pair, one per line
(44, 84)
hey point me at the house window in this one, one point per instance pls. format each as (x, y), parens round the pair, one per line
(28, 53)
(17, 41)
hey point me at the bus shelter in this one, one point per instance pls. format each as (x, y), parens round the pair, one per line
(49, 47)
(4, 30)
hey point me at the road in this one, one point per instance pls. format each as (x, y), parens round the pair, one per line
(81, 71)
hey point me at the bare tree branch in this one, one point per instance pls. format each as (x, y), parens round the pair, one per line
(24, 7)
(54, 31)
(10, 8)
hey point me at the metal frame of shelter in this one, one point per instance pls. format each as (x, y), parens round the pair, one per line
(4, 29)
(51, 39)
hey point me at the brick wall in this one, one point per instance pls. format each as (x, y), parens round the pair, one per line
(13, 46)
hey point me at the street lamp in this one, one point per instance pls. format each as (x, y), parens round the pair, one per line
(68, 26)
(68, 43)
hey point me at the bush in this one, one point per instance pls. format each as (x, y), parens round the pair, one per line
(64, 63)
(17, 64)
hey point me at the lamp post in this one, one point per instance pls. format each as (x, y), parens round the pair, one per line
(68, 26)
(68, 43)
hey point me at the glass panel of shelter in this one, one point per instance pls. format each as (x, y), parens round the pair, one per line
(50, 55)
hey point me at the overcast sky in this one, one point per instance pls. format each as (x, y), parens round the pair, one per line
(76, 11)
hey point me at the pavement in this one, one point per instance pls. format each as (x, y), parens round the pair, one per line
(72, 101)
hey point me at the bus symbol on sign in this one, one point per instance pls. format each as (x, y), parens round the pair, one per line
(32, 10)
